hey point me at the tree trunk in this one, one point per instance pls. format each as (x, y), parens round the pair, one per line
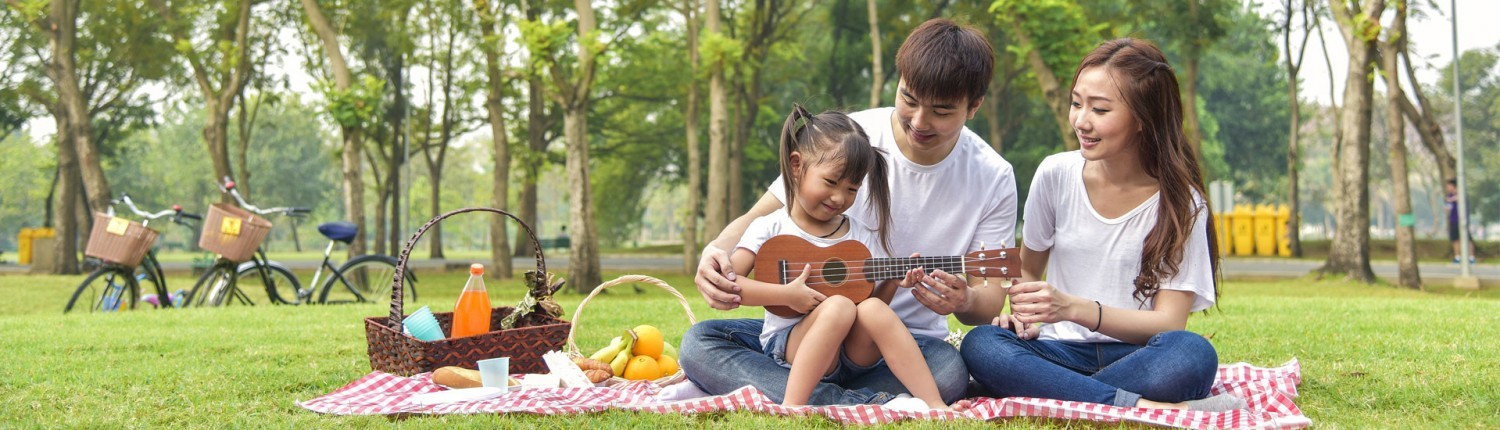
(1406, 248)
(1053, 94)
(1349, 254)
(583, 264)
(353, 142)
(493, 103)
(69, 192)
(716, 214)
(877, 76)
(695, 175)
(1190, 126)
(992, 119)
(216, 138)
(1294, 204)
(1427, 125)
(536, 146)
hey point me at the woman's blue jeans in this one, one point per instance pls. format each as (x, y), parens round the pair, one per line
(1172, 367)
(723, 355)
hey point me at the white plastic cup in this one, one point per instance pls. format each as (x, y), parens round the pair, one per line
(495, 372)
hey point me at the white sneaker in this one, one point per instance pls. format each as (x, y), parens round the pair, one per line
(905, 402)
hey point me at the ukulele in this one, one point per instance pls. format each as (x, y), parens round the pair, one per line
(846, 269)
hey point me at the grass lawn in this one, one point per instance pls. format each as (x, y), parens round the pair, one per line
(1372, 356)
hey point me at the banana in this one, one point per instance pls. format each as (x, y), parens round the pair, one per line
(609, 352)
(618, 364)
(669, 350)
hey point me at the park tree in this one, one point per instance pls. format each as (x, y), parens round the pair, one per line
(493, 17)
(219, 55)
(1051, 35)
(449, 90)
(691, 15)
(1406, 248)
(352, 106)
(1349, 254)
(572, 85)
(718, 49)
(759, 29)
(877, 72)
(1289, 12)
(1192, 29)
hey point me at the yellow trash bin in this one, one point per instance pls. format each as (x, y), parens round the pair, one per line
(1265, 230)
(1242, 221)
(23, 247)
(1283, 231)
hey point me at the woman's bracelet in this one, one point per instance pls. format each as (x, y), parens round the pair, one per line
(1100, 321)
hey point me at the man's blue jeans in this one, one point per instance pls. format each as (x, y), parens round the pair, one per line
(723, 355)
(1175, 366)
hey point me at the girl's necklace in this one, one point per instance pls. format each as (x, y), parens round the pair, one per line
(842, 221)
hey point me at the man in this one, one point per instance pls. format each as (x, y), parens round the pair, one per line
(1450, 202)
(950, 194)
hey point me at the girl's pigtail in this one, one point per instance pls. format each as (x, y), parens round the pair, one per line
(788, 146)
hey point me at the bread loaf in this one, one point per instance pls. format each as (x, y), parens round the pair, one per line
(456, 377)
(596, 376)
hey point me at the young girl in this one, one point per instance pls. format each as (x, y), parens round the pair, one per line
(824, 159)
(1126, 240)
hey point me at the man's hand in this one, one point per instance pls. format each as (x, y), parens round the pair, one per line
(943, 292)
(1023, 330)
(715, 279)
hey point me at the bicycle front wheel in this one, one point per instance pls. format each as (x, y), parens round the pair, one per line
(213, 287)
(109, 289)
(366, 278)
(280, 285)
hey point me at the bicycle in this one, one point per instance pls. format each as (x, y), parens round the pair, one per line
(363, 277)
(117, 284)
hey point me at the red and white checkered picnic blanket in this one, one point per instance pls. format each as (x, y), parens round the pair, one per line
(1269, 391)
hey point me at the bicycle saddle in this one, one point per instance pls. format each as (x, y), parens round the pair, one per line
(342, 231)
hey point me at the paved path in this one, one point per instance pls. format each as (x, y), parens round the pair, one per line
(1234, 268)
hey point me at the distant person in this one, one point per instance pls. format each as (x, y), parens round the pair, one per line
(1120, 224)
(1450, 202)
(950, 193)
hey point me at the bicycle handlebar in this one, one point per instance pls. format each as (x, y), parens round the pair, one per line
(125, 199)
(228, 187)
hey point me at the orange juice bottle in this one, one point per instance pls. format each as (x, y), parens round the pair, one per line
(471, 315)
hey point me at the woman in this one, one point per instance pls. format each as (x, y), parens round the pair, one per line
(1126, 239)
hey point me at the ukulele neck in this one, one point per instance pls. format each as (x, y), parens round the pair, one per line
(880, 269)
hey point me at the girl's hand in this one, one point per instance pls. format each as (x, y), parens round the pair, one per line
(1023, 330)
(913, 276)
(803, 298)
(1039, 302)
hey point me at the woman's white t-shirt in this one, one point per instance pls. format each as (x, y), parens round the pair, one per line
(780, 223)
(1098, 258)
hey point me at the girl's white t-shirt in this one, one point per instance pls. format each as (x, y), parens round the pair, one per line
(1098, 258)
(945, 209)
(780, 223)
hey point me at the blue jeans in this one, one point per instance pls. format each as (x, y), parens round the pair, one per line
(1175, 366)
(723, 355)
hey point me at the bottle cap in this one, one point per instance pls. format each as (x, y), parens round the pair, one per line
(476, 269)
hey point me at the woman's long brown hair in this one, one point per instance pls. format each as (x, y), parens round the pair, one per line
(1149, 87)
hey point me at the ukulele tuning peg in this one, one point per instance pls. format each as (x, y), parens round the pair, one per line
(1002, 255)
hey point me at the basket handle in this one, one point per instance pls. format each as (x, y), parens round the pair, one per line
(397, 313)
(627, 279)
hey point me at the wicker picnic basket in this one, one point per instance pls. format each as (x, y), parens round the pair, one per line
(393, 351)
(626, 280)
(232, 232)
(120, 241)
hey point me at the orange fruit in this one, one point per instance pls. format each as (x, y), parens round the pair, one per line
(648, 341)
(642, 368)
(668, 365)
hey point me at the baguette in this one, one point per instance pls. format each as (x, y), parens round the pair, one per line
(456, 377)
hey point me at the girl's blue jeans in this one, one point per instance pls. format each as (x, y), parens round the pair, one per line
(723, 355)
(1172, 367)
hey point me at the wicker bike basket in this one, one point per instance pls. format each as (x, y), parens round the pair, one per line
(393, 351)
(120, 241)
(232, 232)
(626, 280)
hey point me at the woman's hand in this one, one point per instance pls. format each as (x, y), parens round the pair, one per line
(803, 298)
(1023, 330)
(1039, 302)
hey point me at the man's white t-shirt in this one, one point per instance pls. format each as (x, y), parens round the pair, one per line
(1098, 258)
(780, 223)
(945, 209)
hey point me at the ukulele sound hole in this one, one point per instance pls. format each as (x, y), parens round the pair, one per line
(835, 272)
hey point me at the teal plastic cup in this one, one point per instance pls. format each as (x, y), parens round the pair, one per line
(422, 325)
